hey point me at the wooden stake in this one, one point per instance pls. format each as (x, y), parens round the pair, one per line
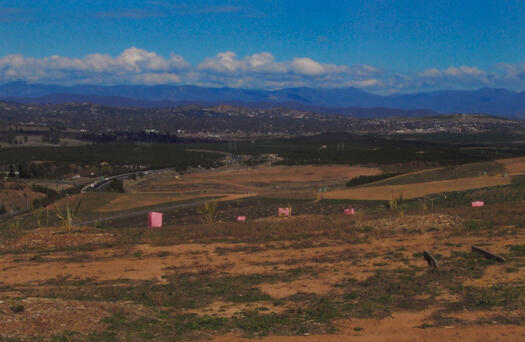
(431, 260)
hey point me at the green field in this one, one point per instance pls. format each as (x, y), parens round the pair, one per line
(150, 155)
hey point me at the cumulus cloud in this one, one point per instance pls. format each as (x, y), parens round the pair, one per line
(262, 70)
(227, 62)
(132, 66)
(259, 70)
(307, 66)
(223, 62)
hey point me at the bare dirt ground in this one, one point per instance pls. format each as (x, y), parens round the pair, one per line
(310, 277)
(299, 181)
(327, 278)
(402, 327)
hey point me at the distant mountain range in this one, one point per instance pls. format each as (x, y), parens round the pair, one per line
(352, 101)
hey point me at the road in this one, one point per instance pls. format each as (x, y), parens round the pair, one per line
(196, 202)
(141, 212)
(101, 184)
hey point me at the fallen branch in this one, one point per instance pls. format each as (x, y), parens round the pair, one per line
(488, 254)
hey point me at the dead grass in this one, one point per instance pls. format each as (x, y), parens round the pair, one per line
(31, 317)
(306, 173)
(514, 166)
(409, 191)
(280, 181)
(55, 238)
(18, 195)
(329, 277)
(138, 200)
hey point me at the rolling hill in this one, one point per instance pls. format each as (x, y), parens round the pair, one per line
(500, 102)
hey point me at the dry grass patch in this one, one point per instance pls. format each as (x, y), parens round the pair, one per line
(288, 276)
(137, 200)
(31, 317)
(306, 173)
(514, 166)
(399, 327)
(49, 238)
(228, 309)
(273, 181)
(409, 191)
(17, 195)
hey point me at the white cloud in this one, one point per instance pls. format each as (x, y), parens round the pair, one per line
(461, 72)
(464, 71)
(133, 65)
(223, 62)
(227, 62)
(259, 70)
(307, 66)
(368, 83)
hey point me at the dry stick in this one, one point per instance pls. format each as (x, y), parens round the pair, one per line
(488, 254)
(431, 260)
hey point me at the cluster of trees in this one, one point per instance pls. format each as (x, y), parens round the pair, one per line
(116, 185)
(150, 137)
(361, 180)
(52, 137)
(51, 195)
(39, 170)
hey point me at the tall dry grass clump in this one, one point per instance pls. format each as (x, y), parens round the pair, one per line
(209, 212)
(67, 216)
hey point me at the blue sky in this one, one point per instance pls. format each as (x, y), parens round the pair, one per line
(381, 46)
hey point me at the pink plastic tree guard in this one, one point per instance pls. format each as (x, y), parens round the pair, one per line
(154, 220)
(478, 204)
(285, 212)
(241, 218)
(349, 211)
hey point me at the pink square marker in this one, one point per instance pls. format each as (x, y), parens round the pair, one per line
(285, 212)
(154, 220)
(350, 211)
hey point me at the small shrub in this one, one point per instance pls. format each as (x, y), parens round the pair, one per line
(67, 217)
(209, 212)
